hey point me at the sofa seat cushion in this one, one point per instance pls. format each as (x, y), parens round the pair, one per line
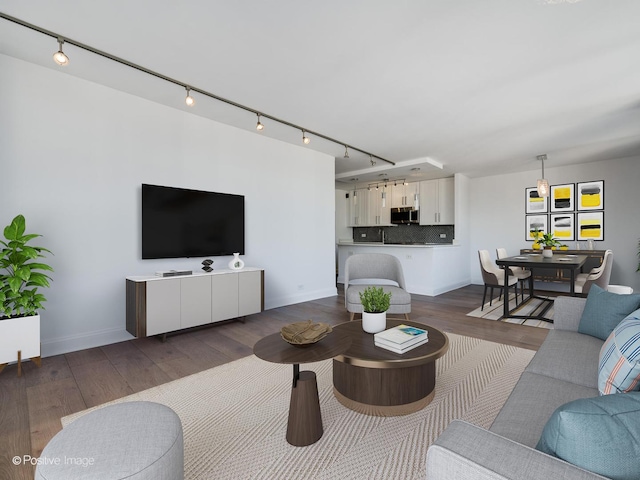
(619, 367)
(400, 301)
(568, 356)
(604, 311)
(531, 403)
(600, 434)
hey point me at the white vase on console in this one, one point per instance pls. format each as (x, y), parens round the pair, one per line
(236, 262)
(547, 252)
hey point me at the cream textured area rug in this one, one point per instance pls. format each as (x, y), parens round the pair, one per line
(495, 311)
(235, 416)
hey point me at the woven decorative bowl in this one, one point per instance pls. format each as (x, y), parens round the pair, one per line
(304, 333)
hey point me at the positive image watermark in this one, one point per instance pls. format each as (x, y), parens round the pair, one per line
(30, 460)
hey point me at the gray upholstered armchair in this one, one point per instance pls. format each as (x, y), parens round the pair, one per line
(380, 269)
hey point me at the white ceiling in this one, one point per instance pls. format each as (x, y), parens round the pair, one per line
(479, 87)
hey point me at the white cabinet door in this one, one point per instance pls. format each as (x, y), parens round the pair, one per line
(224, 296)
(429, 202)
(404, 195)
(359, 208)
(446, 200)
(437, 202)
(163, 306)
(250, 293)
(378, 214)
(195, 301)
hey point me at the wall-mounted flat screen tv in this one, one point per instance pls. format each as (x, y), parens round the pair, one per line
(178, 222)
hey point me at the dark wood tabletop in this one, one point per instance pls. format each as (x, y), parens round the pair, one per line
(364, 353)
(275, 349)
(537, 260)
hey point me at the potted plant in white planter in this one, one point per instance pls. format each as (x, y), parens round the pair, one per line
(375, 303)
(21, 275)
(548, 242)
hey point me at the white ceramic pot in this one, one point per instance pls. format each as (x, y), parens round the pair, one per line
(19, 333)
(547, 253)
(374, 322)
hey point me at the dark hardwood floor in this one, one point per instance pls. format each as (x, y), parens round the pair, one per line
(31, 406)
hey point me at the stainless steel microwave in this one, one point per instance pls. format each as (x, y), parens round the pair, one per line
(404, 215)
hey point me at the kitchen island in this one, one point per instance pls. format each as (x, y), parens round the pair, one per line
(429, 269)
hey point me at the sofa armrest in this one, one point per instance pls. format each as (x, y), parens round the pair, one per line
(567, 312)
(464, 451)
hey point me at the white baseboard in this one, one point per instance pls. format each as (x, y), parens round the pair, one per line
(299, 298)
(58, 346)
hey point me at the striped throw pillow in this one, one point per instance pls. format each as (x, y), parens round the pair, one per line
(619, 366)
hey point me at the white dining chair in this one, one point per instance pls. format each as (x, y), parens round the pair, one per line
(493, 276)
(520, 273)
(598, 275)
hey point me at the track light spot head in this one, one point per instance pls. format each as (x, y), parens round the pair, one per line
(189, 99)
(59, 57)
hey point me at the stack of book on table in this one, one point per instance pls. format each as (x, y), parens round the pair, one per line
(401, 339)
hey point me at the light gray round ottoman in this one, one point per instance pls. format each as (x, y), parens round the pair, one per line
(132, 441)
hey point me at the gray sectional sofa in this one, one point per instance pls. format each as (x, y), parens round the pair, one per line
(565, 368)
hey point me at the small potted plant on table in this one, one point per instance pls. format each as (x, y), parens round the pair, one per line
(375, 303)
(20, 277)
(548, 242)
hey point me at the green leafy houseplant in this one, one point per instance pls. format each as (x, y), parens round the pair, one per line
(20, 272)
(547, 240)
(375, 300)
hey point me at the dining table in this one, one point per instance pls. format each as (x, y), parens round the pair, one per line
(558, 260)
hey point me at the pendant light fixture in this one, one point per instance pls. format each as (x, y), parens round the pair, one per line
(346, 152)
(189, 100)
(543, 184)
(259, 125)
(373, 162)
(59, 57)
(305, 139)
(384, 195)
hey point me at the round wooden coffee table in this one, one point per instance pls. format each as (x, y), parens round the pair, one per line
(375, 381)
(305, 421)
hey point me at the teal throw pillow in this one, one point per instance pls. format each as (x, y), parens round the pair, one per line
(604, 311)
(619, 365)
(600, 434)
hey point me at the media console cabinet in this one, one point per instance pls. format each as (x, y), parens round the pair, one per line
(158, 305)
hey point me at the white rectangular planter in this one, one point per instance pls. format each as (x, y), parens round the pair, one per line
(22, 333)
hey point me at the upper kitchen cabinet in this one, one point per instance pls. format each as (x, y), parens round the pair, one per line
(379, 214)
(437, 202)
(358, 208)
(404, 195)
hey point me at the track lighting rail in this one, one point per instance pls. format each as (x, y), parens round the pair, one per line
(189, 87)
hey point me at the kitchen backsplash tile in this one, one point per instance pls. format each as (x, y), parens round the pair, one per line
(405, 234)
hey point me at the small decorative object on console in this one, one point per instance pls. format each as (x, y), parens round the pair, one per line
(304, 333)
(206, 265)
(236, 262)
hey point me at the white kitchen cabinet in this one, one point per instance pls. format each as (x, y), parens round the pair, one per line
(378, 214)
(157, 305)
(437, 202)
(404, 195)
(359, 208)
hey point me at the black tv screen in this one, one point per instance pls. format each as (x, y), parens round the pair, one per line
(178, 222)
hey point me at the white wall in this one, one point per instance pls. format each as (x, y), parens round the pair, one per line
(498, 212)
(73, 155)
